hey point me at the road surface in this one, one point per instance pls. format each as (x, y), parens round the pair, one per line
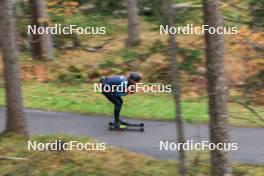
(250, 140)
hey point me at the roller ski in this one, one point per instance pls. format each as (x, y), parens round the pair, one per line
(124, 126)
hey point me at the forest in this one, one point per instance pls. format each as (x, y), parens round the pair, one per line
(211, 53)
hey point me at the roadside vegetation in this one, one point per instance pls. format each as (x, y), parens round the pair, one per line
(155, 106)
(111, 162)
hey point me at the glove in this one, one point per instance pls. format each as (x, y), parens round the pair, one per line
(130, 90)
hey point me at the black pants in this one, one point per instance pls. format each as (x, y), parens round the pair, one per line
(117, 101)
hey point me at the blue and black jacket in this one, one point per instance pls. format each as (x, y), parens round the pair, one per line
(118, 81)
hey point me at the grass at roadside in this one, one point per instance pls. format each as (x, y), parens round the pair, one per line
(112, 161)
(82, 99)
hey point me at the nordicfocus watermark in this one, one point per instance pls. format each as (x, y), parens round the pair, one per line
(138, 87)
(59, 29)
(191, 29)
(62, 145)
(191, 145)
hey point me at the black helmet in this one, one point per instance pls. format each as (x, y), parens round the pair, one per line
(135, 76)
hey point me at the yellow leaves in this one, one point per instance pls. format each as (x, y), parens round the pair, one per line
(70, 7)
(254, 37)
(40, 72)
(257, 38)
(224, 5)
(61, 8)
(243, 42)
(52, 3)
(43, 20)
(244, 31)
(234, 92)
(241, 57)
(35, 71)
(258, 61)
(72, 3)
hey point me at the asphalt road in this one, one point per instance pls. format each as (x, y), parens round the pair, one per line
(250, 140)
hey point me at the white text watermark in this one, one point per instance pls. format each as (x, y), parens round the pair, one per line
(62, 145)
(191, 145)
(138, 87)
(191, 29)
(59, 29)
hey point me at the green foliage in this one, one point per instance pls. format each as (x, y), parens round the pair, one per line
(257, 11)
(129, 55)
(81, 2)
(108, 5)
(253, 88)
(107, 64)
(71, 78)
(155, 5)
(182, 16)
(256, 81)
(190, 58)
(73, 75)
(157, 47)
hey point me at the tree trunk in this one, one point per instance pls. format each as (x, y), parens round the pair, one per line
(15, 114)
(133, 23)
(175, 77)
(41, 44)
(217, 89)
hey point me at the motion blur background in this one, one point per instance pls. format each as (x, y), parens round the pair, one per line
(60, 76)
